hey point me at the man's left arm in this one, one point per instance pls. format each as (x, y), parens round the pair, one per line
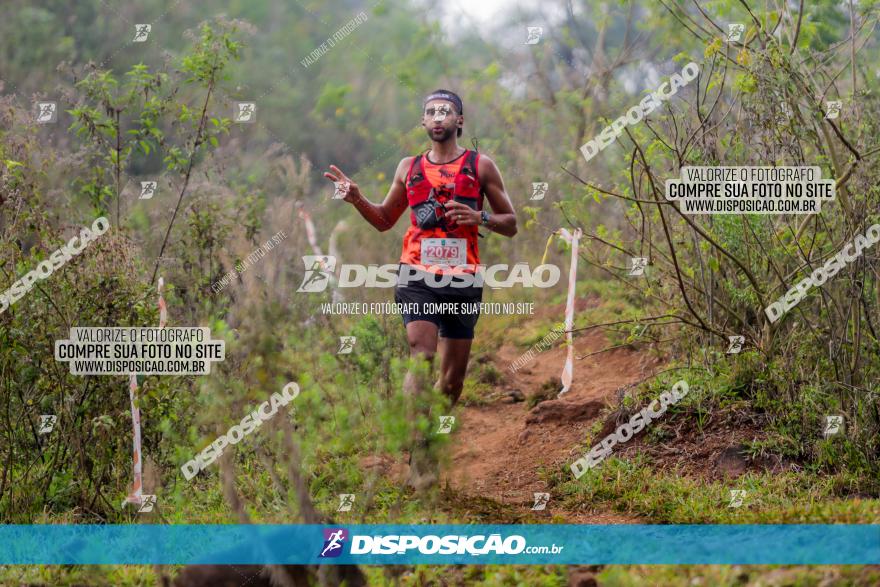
(502, 219)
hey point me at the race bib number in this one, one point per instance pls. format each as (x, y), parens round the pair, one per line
(444, 251)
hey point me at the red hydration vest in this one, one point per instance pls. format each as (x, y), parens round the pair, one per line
(464, 188)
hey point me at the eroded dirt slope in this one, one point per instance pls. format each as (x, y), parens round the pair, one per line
(501, 450)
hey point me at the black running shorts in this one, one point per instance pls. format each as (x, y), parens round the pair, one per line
(455, 310)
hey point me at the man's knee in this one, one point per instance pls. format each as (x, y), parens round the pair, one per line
(419, 349)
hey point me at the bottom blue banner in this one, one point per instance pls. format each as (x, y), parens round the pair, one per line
(441, 544)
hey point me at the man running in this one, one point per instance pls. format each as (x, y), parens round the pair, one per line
(444, 188)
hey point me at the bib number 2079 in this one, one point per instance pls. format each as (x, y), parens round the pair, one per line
(444, 251)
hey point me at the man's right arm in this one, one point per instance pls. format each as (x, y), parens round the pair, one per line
(382, 216)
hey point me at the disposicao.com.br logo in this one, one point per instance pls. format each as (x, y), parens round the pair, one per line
(321, 271)
(393, 544)
(334, 538)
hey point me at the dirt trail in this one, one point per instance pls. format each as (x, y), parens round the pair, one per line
(500, 450)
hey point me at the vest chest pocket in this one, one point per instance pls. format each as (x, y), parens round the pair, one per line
(467, 201)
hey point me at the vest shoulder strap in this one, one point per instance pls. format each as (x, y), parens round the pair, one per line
(415, 164)
(470, 164)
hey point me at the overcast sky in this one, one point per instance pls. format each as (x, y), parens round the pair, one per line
(483, 10)
(466, 14)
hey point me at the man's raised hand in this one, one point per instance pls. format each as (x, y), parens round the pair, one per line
(345, 189)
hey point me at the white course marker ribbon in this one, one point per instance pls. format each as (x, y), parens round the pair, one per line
(310, 232)
(136, 496)
(163, 308)
(340, 227)
(312, 237)
(571, 238)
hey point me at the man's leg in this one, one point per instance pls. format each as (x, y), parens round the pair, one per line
(422, 338)
(454, 355)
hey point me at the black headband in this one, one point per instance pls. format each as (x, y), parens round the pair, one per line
(448, 97)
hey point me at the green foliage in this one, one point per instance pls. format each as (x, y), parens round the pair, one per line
(132, 119)
(85, 464)
(634, 486)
